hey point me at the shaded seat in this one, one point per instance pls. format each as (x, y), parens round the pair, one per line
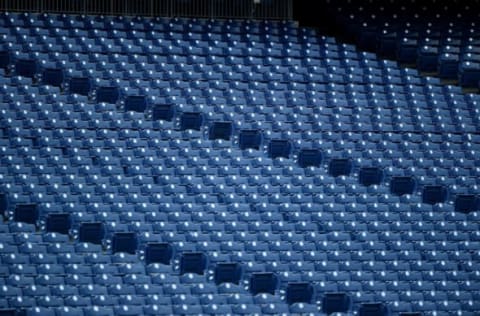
(263, 282)
(373, 309)
(164, 112)
(58, 223)
(158, 253)
(221, 130)
(228, 273)
(191, 121)
(433, 194)
(370, 176)
(5, 59)
(135, 103)
(193, 262)
(3, 203)
(402, 185)
(80, 85)
(27, 68)
(107, 94)
(26, 213)
(336, 303)
(93, 232)
(125, 242)
(309, 158)
(53, 76)
(466, 203)
(250, 139)
(299, 292)
(340, 167)
(278, 148)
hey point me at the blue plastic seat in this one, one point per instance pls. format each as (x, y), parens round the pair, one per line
(125, 242)
(107, 94)
(221, 130)
(193, 262)
(158, 253)
(402, 185)
(278, 148)
(135, 103)
(250, 139)
(164, 112)
(373, 309)
(53, 76)
(340, 167)
(80, 85)
(370, 176)
(91, 232)
(191, 121)
(228, 273)
(466, 203)
(299, 292)
(336, 303)
(309, 158)
(26, 213)
(263, 282)
(58, 223)
(433, 194)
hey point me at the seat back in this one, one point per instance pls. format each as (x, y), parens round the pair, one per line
(26, 213)
(370, 176)
(279, 148)
(158, 253)
(402, 185)
(301, 292)
(228, 273)
(58, 223)
(221, 130)
(340, 167)
(263, 282)
(250, 139)
(93, 232)
(309, 158)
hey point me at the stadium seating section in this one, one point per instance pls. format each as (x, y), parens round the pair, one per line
(159, 166)
(437, 37)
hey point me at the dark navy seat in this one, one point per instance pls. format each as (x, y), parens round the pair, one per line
(299, 292)
(158, 253)
(309, 158)
(402, 185)
(340, 167)
(263, 282)
(279, 148)
(164, 112)
(93, 232)
(125, 242)
(433, 194)
(80, 85)
(26, 213)
(107, 94)
(191, 121)
(135, 103)
(53, 76)
(466, 203)
(373, 309)
(336, 303)
(250, 139)
(370, 176)
(221, 130)
(193, 262)
(58, 223)
(27, 68)
(228, 273)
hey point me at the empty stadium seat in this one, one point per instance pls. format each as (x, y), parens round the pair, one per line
(263, 282)
(410, 314)
(402, 185)
(165, 112)
(336, 303)
(278, 148)
(373, 309)
(221, 130)
(433, 194)
(27, 68)
(80, 85)
(309, 158)
(301, 292)
(250, 139)
(8, 312)
(191, 121)
(107, 94)
(53, 76)
(135, 103)
(26, 213)
(370, 176)
(91, 232)
(227, 273)
(193, 262)
(340, 167)
(58, 223)
(466, 203)
(124, 242)
(158, 253)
